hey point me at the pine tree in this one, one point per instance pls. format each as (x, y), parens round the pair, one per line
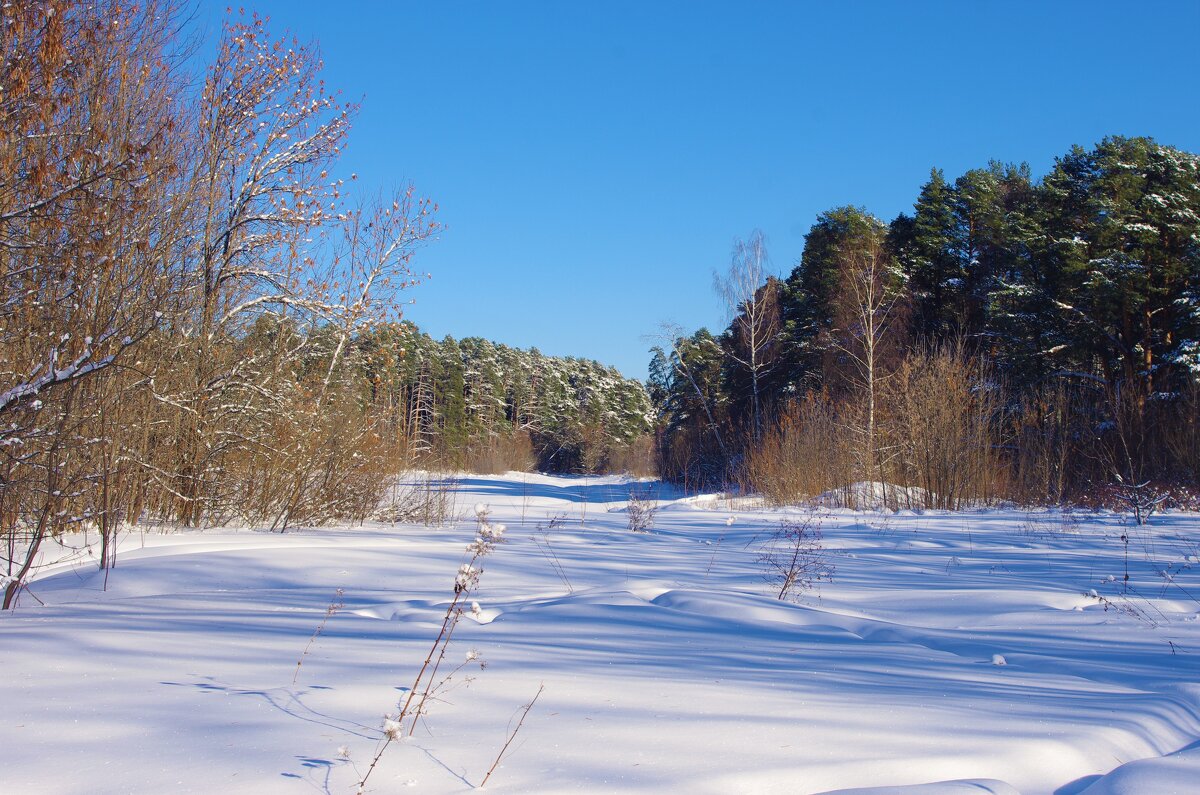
(1122, 225)
(930, 257)
(451, 404)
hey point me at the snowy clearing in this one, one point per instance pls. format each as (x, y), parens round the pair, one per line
(981, 652)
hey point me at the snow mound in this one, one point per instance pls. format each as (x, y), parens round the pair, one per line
(974, 786)
(720, 502)
(1174, 774)
(874, 496)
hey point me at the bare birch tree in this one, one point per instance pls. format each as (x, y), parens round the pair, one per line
(752, 299)
(869, 304)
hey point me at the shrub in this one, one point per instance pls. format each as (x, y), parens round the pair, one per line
(803, 455)
(944, 413)
(794, 559)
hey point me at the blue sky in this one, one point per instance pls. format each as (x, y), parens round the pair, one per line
(595, 161)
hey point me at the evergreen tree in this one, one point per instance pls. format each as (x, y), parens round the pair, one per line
(693, 446)
(994, 208)
(1121, 256)
(1092, 275)
(658, 385)
(451, 403)
(930, 257)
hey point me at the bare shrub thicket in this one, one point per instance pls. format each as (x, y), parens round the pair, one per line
(1047, 432)
(635, 458)
(805, 454)
(944, 417)
(89, 226)
(692, 459)
(1072, 440)
(185, 288)
(422, 497)
(502, 452)
(1181, 438)
(934, 424)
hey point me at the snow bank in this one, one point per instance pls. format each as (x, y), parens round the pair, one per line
(964, 787)
(874, 496)
(1175, 774)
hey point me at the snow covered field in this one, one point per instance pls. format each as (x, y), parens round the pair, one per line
(952, 653)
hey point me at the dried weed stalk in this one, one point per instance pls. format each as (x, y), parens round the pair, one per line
(409, 711)
(512, 736)
(334, 606)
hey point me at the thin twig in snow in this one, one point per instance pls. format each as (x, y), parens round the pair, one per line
(512, 736)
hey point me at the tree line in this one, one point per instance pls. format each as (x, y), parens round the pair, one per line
(1012, 337)
(480, 406)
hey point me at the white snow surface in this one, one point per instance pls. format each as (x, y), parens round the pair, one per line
(668, 665)
(875, 496)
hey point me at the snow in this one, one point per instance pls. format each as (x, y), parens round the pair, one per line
(874, 496)
(1174, 774)
(952, 653)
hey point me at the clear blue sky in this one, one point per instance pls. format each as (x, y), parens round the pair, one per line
(594, 161)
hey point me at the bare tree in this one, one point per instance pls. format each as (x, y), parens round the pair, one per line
(266, 133)
(85, 110)
(752, 299)
(373, 266)
(868, 306)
